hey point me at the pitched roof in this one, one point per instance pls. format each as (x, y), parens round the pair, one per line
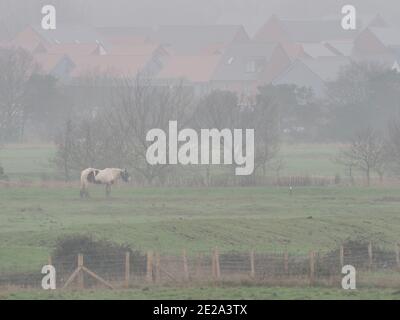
(316, 30)
(142, 31)
(251, 20)
(28, 39)
(113, 65)
(388, 36)
(190, 40)
(198, 68)
(313, 73)
(302, 76)
(327, 68)
(135, 49)
(69, 33)
(236, 60)
(48, 62)
(72, 48)
(315, 50)
(344, 48)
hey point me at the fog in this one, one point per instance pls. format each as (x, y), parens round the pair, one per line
(14, 14)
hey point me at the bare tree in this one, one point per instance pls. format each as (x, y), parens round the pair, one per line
(16, 69)
(264, 118)
(393, 146)
(218, 110)
(349, 163)
(139, 106)
(366, 153)
(116, 136)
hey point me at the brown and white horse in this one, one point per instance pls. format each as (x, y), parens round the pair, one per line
(106, 177)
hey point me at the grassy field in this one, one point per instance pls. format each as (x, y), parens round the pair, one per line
(27, 162)
(266, 219)
(216, 293)
(32, 162)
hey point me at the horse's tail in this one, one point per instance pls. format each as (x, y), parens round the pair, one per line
(85, 181)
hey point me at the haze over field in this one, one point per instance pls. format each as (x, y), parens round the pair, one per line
(125, 127)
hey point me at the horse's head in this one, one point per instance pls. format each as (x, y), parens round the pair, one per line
(125, 176)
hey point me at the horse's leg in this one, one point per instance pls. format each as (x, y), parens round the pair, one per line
(108, 190)
(84, 191)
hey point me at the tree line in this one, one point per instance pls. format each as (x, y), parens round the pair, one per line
(100, 120)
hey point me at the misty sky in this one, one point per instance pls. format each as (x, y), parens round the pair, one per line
(250, 13)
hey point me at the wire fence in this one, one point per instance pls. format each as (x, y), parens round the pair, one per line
(122, 270)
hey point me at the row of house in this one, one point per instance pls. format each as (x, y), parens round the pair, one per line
(305, 53)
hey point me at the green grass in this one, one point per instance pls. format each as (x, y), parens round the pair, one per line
(267, 219)
(170, 219)
(311, 159)
(27, 162)
(210, 293)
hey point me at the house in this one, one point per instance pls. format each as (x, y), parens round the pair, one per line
(317, 50)
(388, 36)
(57, 65)
(77, 50)
(307, 38)
(313, 73)
(111, 65)
(340, 48)
(302, 31)
(375, 40)
(196, 71)
(126, 35)
(34, 36)
(246, 66)
(193, 40)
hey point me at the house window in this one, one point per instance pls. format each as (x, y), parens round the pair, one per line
(251, 66)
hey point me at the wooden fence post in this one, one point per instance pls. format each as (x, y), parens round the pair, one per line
(157, 274)
(397, 250)
(198, 265)
(213, 265)
(49, 261)
(286, 262)
(217, 266)
(370, 256)
(185, 266)
(341, 256)
(252, 265)
(312, 267)
(149, 267)
(127, 269)
(216, 271)
(81, 283)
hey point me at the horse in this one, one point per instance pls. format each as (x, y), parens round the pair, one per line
(107, 177)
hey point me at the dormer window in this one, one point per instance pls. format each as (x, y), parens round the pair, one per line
(230, 60)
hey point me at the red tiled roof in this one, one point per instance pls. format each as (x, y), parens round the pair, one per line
(133, 49)
(72, 49)
(28, 39)
(199, 68)
(48, 62)
(114, 65)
